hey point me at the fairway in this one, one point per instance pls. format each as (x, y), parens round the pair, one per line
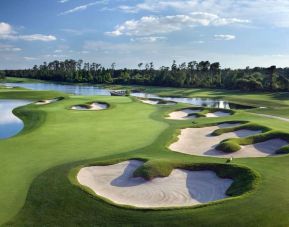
(66, 135)
(40, 164)
(144, 113)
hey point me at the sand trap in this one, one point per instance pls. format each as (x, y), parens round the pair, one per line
(157, 102)
(267, 148)
(218, 114)
(47, 101)
(147, 101)
(181, 188)
(98, 106)
(92, 106)
(198, 141)
(183, 114)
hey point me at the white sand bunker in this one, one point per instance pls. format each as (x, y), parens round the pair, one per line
(157, 102)
(92, 106)
(218, 114)
(46, 101)
(148, 101)
(181, 188)
(183, 114)
(199, 141)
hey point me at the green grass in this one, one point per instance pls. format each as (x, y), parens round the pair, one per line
(20, 80)
(66, 136)
(248, 126)
(31, 95)
(38, 165)
(245, 180)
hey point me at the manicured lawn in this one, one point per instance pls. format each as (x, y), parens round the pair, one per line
(65, 136)
(38, 163)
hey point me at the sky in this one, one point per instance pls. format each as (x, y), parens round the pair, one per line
(236, 33)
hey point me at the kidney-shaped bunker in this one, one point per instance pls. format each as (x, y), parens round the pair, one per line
(181, 188)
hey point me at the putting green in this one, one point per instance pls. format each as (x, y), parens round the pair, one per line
(38, 164)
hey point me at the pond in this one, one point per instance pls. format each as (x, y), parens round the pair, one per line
(94, 90)
(66, 88)
(205, 102)
(10, 125)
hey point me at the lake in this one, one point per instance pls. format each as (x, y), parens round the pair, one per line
(94, 90)
(10, 125)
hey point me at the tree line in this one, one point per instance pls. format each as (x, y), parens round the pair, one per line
(193, 74)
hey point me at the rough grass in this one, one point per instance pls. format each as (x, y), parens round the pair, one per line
(153, 169)
(244, 179)
(249, 126)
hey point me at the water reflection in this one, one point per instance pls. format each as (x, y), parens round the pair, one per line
(205, 102)
(10, 125)
(93, 90)
(70, 89)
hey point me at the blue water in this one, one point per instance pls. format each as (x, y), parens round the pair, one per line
(10, 125)
(93, 90)
(70, 89)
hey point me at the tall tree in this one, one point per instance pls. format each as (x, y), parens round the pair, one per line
(272, 75)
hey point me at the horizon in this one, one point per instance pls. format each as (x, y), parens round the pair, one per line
(235, 33)
(143, 65)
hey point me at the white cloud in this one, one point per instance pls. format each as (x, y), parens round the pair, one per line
(149, 39)
(5, 29)
(273, 12)
(78, 32)
(199, 42)
(29, 58)
(63, 1)
(55, 56)
(224, 37)
(156, 6)
(82, 7)
(7, 33)
(151, 25)
(9, 48)
(37, 37)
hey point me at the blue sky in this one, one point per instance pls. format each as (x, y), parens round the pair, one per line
(237, 33)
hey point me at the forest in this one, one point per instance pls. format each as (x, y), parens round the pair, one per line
(193, 74)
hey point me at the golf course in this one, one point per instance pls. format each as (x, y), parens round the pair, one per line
(125, 162)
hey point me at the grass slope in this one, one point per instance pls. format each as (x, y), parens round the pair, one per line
(41, 165)
(55, 135)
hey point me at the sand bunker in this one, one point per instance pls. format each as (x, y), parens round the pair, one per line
(181, 188)
(147, 101)
(218, 114)
(198, 141)
(47, 101)
(92, 106)
(157, 102)
(183, 114)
